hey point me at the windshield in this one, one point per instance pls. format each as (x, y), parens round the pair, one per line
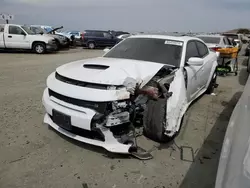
(48, 29)
(28, 30)
(37, 30)
(149, 49)
(210, 40)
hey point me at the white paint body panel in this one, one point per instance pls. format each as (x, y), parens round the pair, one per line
(118, 71)
(199, 78)
(20, 41)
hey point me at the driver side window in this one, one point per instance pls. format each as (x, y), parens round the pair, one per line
(15, 30)
(192, 51)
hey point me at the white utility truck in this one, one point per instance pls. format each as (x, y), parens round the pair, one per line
(21, 37)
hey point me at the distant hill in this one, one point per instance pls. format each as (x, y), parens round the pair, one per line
(234, 30)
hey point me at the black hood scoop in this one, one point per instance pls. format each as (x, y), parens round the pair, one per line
(95, 66)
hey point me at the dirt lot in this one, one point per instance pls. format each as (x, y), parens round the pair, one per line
(34, 156)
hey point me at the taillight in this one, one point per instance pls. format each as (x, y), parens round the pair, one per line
(82, 36)
(215, 48)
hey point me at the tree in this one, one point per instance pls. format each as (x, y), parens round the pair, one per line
(243, 31)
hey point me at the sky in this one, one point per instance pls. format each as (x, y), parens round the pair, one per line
(132, 15)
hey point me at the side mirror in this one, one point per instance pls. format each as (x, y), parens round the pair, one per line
(106, 50)
(23, 33)
(41, 33)
(195, 61)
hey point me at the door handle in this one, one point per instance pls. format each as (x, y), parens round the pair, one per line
(9, 36)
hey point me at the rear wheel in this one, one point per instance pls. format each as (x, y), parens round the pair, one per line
(154, 120)
(91, 45)
(39, 48)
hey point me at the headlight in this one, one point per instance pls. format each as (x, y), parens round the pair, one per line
(119, 105)
(62, 37)
(51, 41)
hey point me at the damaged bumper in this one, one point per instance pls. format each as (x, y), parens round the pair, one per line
(76, 122)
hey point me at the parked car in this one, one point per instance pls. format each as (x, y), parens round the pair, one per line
(215, 42)
(77, 35)
(97, 38)
(21, 37)
(52, 30)
(237, 38)
(147, 78)
(61, 41)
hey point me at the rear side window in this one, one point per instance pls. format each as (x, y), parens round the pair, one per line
(15, 30)
(202, 48)
(98, 34)
(192, 50)
(225, 40)
(232, 36)
(75, 33)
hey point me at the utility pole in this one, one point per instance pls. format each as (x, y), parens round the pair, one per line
(6, 17)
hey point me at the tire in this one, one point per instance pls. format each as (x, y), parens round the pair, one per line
(39, 48)
(210, 88)
(248, 65)
(247, 53)
(154, 120)
(91, 45)
(57, 45)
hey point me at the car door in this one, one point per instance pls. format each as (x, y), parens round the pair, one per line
(98, 37)
(207, 65)
(194, 73)
(110, 40)
(16, 38)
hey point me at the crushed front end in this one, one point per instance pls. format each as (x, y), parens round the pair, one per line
(108, 123)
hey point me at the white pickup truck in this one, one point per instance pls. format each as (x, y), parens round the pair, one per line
(21, 37)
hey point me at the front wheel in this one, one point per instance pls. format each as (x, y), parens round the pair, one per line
(39, 48)
(154, 120)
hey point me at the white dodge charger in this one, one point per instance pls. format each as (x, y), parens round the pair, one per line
(145, 81)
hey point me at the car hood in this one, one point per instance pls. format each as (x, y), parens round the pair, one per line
(109, 71)
(43, 37)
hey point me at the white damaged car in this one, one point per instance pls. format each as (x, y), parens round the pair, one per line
(146, 80)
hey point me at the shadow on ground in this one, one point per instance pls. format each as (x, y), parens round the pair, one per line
(92, 148)
(202, 172)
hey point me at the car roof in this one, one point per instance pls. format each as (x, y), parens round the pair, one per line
(94, 31)
(212, 36)
(167, 37)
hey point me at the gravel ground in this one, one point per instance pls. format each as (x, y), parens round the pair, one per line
(34, 156)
